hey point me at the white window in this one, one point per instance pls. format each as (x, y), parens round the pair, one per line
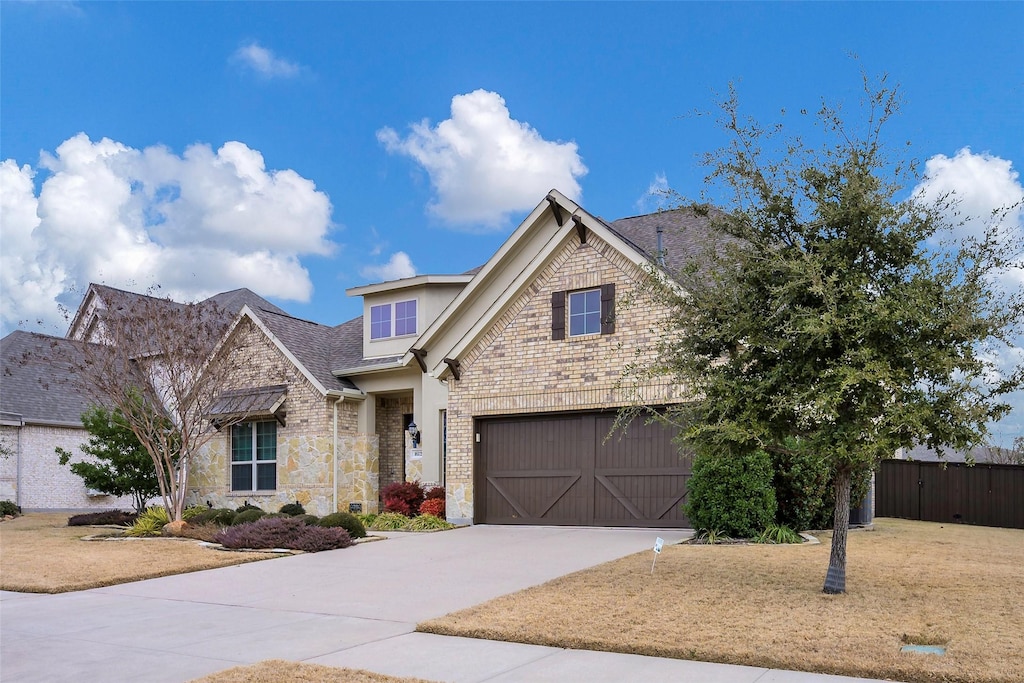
(404, 319)
(380, 321)
(584, 312)
(254, 456)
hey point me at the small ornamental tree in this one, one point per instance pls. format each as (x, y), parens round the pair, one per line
(166, 366)
(123, 466)
(833, 308)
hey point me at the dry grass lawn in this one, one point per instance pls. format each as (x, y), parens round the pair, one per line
(39, 553)
(277, 670)
(907, 582)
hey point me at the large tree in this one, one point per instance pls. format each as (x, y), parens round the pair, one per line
(121, 466)
(828, 309)
(166, 368)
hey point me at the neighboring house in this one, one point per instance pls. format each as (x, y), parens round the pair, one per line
(511, 374)
(39, 412)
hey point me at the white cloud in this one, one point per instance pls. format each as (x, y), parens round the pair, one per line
(195, 224)
(656, 197)
(485, 165)
(397, 267)
(981, 185)
(265, 62)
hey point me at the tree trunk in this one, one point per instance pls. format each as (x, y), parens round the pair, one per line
(835, 579)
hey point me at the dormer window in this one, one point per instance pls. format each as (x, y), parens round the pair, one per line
(404, 320)
(380, 321)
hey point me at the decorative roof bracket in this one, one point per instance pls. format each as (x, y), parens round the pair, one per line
(421, 358)
(581, 229)
(556, 209)
(455, 366)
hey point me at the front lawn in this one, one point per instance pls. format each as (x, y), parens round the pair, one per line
(908, 582)
(40, 553)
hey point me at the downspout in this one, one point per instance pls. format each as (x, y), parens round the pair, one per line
(334, 477)
(17, 476)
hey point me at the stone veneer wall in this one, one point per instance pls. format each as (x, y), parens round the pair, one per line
(517, 368)
(390, 410)
(305, 457)
(45, 483)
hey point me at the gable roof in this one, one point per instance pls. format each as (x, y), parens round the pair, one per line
(685, 235)
(230, 303)
(514, 265)
(310, 344)
(34, 375)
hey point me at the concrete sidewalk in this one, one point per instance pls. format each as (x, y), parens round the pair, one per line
(356, 607)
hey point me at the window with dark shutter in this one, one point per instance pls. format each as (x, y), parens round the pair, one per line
(608, 308)
(557, 315)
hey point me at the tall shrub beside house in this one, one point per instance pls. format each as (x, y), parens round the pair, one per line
(730, 492)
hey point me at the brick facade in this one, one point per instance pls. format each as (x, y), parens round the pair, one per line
(305, 445)
(516, 367)
(391, 431)
(45, 484)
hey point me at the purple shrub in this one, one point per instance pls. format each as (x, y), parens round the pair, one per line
(283, 532)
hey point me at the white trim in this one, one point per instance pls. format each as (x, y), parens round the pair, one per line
(405, 283)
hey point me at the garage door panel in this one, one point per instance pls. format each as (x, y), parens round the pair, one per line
(559, 469)
(532, 497)
(640, 500)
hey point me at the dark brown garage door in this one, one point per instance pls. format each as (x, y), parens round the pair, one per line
(558, 469)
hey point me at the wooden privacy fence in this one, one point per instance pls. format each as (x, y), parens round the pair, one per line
(984, 494)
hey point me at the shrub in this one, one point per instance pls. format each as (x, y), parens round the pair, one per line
(246, 506)
(193, 511)
(345, 520)
(403, 497)
(367, 518)
(434, 492)
(427, 523)
(118, 517)
(9, 508)
(219, 516)
(801, 482)
(308, 520)
(776, 533)
(313, 539)
(433, 506)
(150, 523)
(246, 516)
(731, 492)
(389, 521)
(293, 509)
(281, 532)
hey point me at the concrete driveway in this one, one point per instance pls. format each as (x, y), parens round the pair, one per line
(356, 607)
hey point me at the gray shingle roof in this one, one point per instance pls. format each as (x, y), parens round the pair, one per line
(34, 379)
(311, 344)
(684, 237)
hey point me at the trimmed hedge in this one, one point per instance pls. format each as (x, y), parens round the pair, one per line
(345, 520)
(731, 492)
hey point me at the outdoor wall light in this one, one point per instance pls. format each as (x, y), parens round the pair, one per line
(414, 433)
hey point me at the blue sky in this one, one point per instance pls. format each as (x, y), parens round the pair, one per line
(300, 149)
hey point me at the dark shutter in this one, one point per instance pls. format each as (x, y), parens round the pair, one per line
(557, 315)
(608, 308)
